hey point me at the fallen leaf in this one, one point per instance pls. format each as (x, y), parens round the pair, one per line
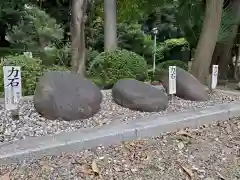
(95, 168)
(87, 170)
(180, 145)
(187, 171)
(221, 176)
(5, 176)
(184, 133)
(46, 166)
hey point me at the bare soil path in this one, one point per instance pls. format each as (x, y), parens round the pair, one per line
(208, 153)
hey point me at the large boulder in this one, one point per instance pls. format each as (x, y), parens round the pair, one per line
(66, 96)
(187, 86)
(138, 95)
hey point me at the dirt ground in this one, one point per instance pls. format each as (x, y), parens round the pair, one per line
(229, 86)
(207, 153)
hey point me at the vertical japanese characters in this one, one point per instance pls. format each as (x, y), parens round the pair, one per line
(12, 86)
(172, 79)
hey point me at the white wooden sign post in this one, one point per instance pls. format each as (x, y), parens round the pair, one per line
(214, 77)
(172, 80)
(12, 86)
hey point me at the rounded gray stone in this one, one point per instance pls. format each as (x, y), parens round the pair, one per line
(187, 86)
(138, 95)
(66, 96)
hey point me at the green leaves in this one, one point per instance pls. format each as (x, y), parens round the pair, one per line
(189, 16)
(30, 68)
(35, 30)
(229, 19)
(112, 66)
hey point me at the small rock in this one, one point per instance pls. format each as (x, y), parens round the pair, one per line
(15, 114)
(238, 86)
(1, 138)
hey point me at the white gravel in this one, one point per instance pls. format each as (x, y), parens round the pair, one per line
(32, 124)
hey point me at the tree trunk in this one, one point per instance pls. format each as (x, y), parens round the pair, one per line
(207, 41)
(77, 36)
(237, 54)
(226, 53)
(236, 64)
(219, 53)
(110, 25)
(216, 56)
(224, 61)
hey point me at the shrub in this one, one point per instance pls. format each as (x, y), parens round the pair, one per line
(60, 56)
(98, 81)
(132, 38)
(178, 63)
(55, 68)
(30, 71)
(160, 54)
(112, 66)
(171, 43)
(162, 68)
(95, 34)
(91, 54)
(176, 49)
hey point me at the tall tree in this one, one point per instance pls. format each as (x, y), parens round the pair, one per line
(208, 39)
(78, 20)
(227, 34)
(110, 25)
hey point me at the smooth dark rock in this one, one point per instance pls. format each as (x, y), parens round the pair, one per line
(66, 96)
(187, 86)
(138, 95)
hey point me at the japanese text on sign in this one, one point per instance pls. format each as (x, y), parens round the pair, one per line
(214, 76)
(12, 86)
(172, 79)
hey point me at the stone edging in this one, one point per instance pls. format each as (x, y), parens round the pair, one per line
(37, 147)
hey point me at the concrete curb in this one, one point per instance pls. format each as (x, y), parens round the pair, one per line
(37, 147)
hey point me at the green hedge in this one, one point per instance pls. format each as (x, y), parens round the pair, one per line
(171, 43)
(112, 66)
(31, 70)
(62, 56)
(162, 68)
(176, 49)
(55, 68)
(178, 63)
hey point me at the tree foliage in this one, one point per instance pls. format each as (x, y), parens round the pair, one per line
(35, 30)
(112, 66)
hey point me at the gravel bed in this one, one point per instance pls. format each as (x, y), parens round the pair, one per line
(32, 124)
(207, 153)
